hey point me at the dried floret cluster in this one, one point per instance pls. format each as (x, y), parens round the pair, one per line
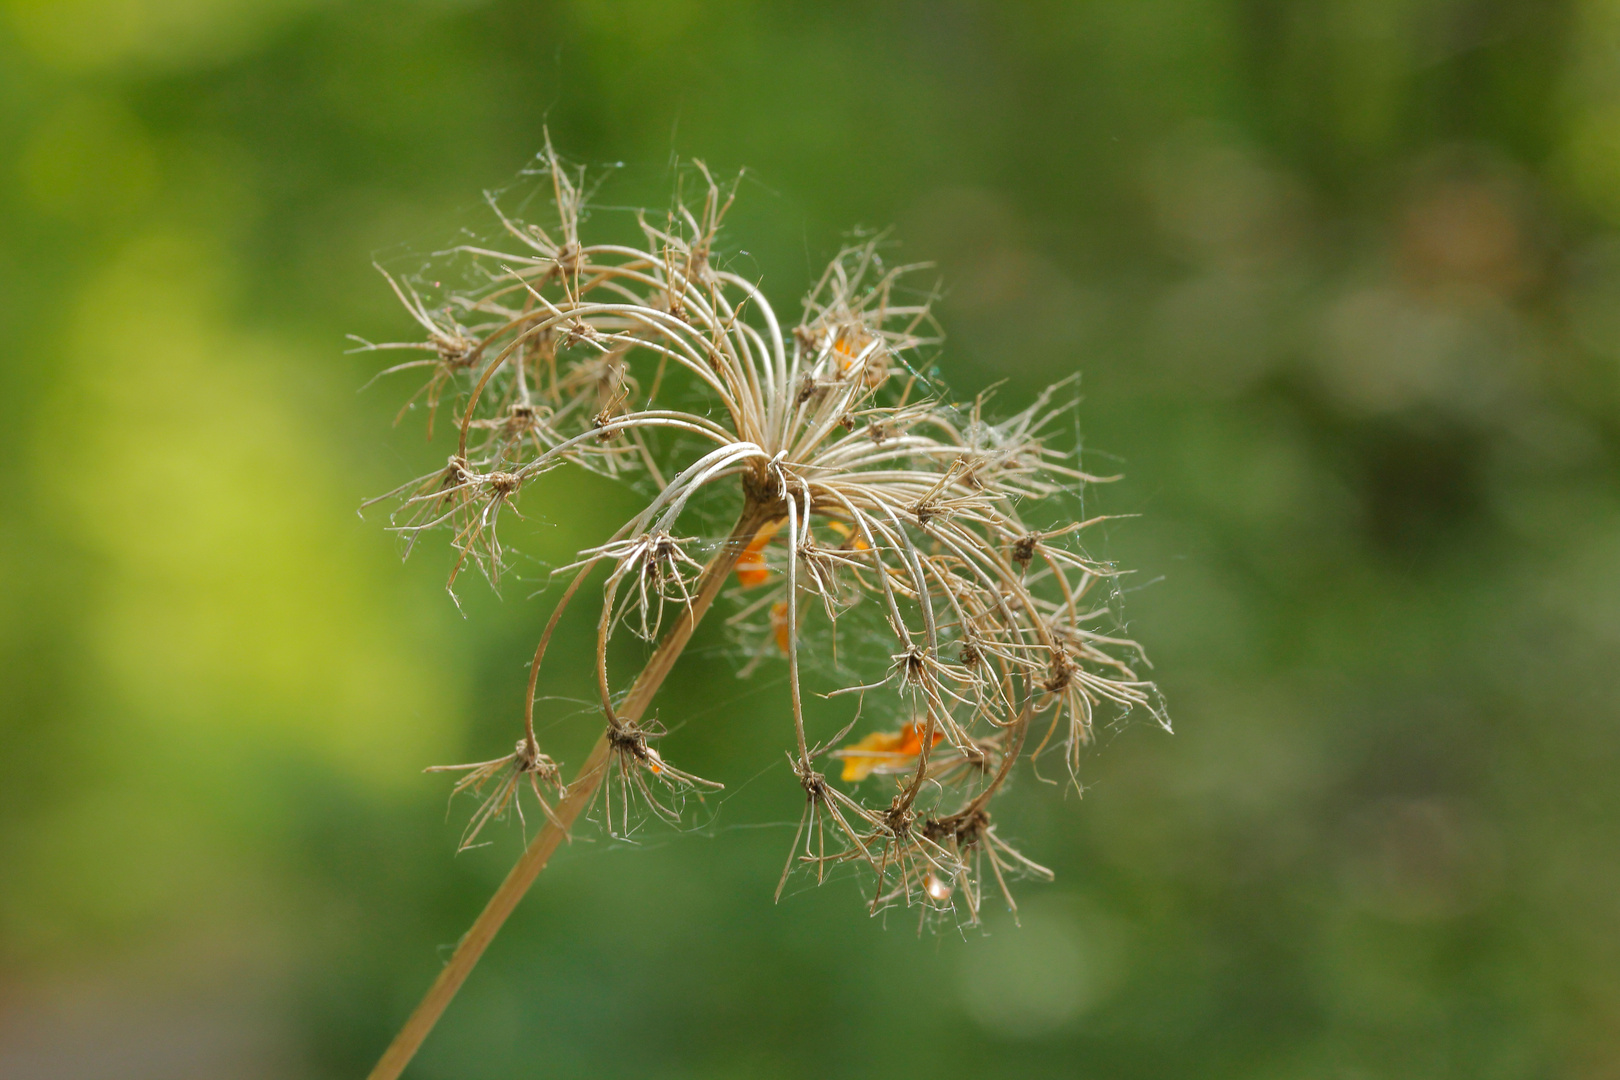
(856, 488)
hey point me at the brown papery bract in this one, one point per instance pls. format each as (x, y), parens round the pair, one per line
(854, 484)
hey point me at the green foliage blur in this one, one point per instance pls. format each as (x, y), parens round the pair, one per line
(1343, 281)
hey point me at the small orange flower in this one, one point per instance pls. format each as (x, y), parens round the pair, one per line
(884, 752)
(751, 568)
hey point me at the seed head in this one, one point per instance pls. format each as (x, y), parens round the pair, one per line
(859, 483)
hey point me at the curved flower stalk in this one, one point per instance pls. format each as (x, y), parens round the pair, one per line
(859, 493)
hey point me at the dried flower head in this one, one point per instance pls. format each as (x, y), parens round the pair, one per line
(505, 777)
(860, 493)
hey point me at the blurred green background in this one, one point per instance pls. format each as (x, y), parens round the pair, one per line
(1343, 279)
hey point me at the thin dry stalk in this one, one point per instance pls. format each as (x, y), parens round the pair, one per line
(580, 793)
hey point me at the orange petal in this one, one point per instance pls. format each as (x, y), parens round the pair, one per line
(859, 766)
(848, 345)
(911, 739)
(751, 568)
(843, 532)
(889, 752)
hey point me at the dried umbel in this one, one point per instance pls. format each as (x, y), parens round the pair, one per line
(859, 494)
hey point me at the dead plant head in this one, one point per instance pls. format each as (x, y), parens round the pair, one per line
(857, 485)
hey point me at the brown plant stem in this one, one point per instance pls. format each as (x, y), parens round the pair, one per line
(580, 793)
